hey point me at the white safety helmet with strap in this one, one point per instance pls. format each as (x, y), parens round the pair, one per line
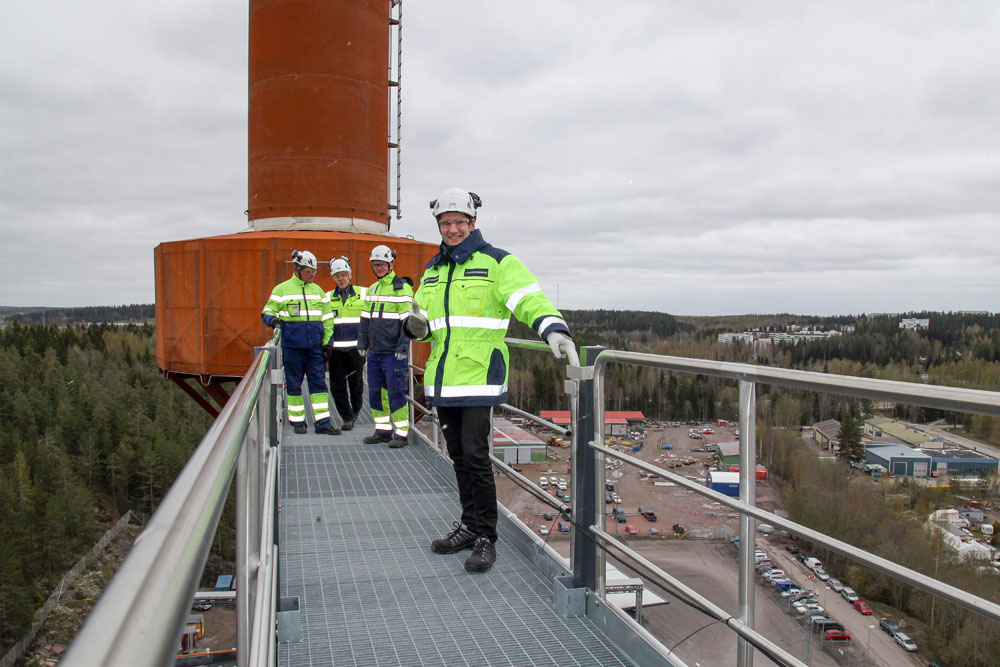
(339, 265)
(304, 258)
(382, 253)
(458, 200)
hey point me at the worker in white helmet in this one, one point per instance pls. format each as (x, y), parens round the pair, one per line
(387, 304)
(347, 382)
(466, 297)
(300, 308)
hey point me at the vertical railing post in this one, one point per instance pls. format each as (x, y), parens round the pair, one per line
(748, 481)
(584, 555)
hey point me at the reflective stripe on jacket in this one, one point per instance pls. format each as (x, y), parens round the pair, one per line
(387, 303)
(304, 309)
(469, 293)
(346, 306)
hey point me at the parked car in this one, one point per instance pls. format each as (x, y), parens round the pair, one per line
(708, 431)
(607, 498)
(696, 436)
(835, 585)
(543, 530)
(791, 548)
(620, 517)
(904, 641)
(563, 527)
(834, 635)
(654, 531)
(849, 594)
(630, 529)
(697, 449)
(863, 607)
(888, 626)
(790, 591)
(822, 575)
(548, 516)
(543, 481)
(650, 515)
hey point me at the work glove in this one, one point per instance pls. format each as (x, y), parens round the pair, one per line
(326, 353)
(274, 322)
(562, 344)
(415, 326)
(401, 356)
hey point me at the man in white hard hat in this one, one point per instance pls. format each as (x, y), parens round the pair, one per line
(387, 304)
(347, 382)
(466, 297)
(300, 308)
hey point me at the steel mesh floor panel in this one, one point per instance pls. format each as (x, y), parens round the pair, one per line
(355, 530)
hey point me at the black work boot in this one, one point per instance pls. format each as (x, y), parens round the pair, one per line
(377, 437)
(348, 425)
(458, 539)
(396, 443)
(299, 428)
(484, 554)
(329, 430)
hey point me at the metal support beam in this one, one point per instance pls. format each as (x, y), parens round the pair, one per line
(748, 464)
(585, 464)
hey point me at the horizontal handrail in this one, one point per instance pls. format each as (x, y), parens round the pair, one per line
(957, 399)
(538, 420)
(929, 584)
(144, 607)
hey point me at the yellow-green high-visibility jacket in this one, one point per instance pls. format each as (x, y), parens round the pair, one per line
(346, 306)
(388, 302)
(469, 292)
(305, 311)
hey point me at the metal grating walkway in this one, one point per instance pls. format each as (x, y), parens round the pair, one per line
(356, 522)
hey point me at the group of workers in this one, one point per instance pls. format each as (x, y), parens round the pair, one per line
(467, 294)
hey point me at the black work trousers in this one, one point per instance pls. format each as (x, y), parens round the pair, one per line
(467, 434)
(347, 382)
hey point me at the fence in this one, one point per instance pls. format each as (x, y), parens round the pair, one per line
(68, 580)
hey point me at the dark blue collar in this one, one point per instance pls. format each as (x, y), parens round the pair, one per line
(460, 253)
(345, 294)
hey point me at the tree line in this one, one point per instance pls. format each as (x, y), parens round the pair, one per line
(90, 430)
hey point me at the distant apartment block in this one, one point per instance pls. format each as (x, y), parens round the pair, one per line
(913, 323)
(767, 337)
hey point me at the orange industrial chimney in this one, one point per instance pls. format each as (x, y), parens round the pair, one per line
(319, 145)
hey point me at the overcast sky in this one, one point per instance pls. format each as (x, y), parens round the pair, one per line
(687, 157)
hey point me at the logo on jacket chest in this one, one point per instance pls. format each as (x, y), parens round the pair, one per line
(477, 272)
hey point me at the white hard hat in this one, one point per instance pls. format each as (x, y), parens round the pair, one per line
(382, 253)
(458, 200)
(339, 264)
(304, 258)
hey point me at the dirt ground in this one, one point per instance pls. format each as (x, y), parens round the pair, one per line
(671, 504)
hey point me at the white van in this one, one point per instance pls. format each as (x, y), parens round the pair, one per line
(813, 564)
(543, 481)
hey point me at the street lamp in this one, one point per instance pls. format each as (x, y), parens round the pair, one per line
(868, 646)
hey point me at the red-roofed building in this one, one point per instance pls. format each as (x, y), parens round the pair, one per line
(615, 423)
(513, 444)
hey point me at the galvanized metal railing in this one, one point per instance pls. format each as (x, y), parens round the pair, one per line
(140, 617)
(590, 456)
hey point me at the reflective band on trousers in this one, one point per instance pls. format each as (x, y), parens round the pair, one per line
(470, 322)
(383, 424)
(467, 390)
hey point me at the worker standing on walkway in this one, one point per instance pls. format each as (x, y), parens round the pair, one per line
(463, 306)
(387, 304)
(300, 308)
(347, 380)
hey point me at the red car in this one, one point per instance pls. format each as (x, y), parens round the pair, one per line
(836, 635)
(863, 607)
(630, 529)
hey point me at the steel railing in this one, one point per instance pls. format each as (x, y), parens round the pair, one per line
(141, 615)
(748, 376)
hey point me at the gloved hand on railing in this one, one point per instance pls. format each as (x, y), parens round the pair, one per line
(401, 356)
(275, 322)
(415, 325)
(562, 344)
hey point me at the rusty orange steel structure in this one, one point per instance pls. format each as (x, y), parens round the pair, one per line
(318, 139)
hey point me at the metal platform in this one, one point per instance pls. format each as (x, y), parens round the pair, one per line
(356, 522)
